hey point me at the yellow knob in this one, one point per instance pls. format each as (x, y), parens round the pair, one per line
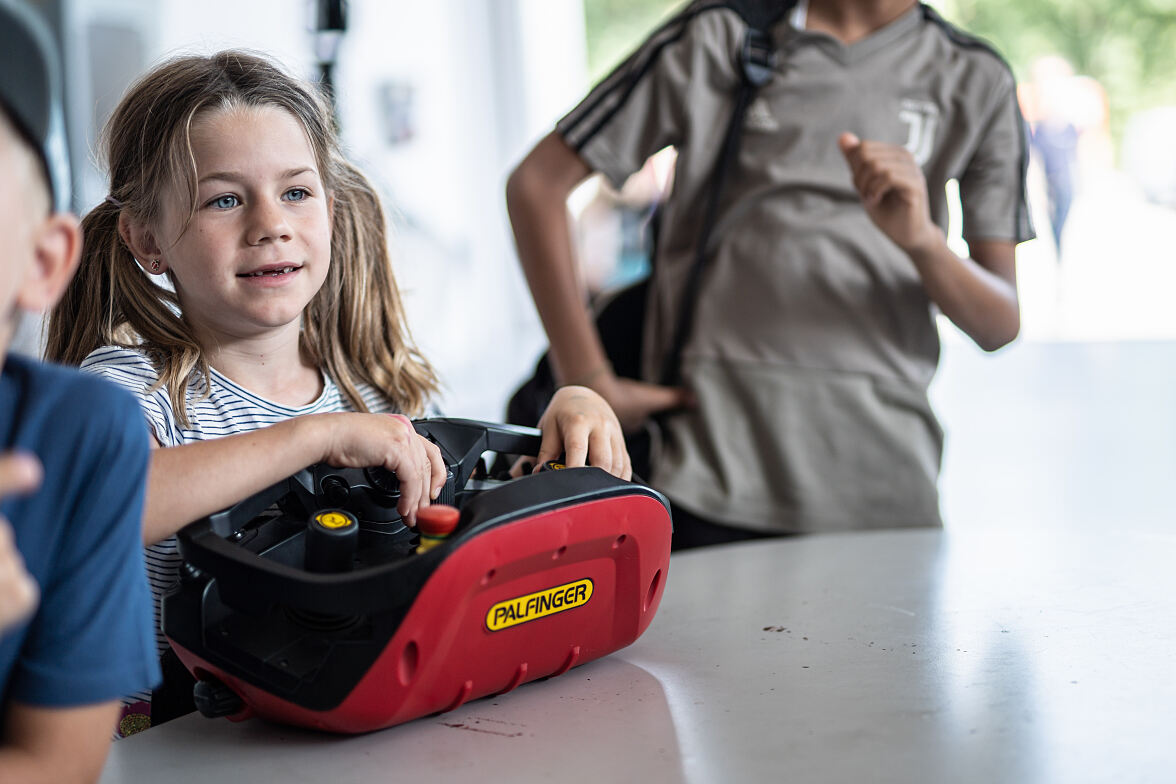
(333, 520)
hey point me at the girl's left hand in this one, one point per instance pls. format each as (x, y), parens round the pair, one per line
(581, 426)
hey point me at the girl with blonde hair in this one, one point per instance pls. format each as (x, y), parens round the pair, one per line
(280, 340)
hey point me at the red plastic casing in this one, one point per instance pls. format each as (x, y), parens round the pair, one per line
(443, 653)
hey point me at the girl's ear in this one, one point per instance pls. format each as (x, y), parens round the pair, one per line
(56, 249)
(141, 241)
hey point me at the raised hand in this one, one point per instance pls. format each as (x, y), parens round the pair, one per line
(893, 190)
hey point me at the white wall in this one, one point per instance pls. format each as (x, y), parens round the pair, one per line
(476, 103)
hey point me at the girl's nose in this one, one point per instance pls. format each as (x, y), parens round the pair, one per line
(267, 222)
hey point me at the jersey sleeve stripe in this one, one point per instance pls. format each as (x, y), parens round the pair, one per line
(612, 94)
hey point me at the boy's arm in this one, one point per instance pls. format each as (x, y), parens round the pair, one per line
(190, 481)
(56, 745)
(536, 198)
(979, 294)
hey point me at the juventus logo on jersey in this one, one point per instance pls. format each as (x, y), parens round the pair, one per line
(922, 119)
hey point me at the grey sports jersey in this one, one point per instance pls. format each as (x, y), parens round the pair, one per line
(813, 340)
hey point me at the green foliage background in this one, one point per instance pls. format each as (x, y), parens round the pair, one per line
(1127, 45)
(615, 27)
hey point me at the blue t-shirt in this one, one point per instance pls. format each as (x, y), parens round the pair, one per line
(90, 639)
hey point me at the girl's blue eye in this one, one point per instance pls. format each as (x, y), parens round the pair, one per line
(297, 194)
(225, 202)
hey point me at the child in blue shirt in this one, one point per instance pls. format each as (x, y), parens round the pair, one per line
(72, 472)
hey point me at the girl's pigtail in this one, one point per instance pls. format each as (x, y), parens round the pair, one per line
(356, 326)
(111, 302)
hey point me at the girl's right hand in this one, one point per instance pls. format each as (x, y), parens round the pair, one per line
(363, 440)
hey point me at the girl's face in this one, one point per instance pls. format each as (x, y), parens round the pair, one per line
(259, 245)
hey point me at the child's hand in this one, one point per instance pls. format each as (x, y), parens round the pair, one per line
(581, 426)
(634, 401)
(18, 590)
(363, 440)
(893, 190)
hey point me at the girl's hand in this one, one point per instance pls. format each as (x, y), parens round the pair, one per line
(362, 440)
(579, 424)
(18, 590)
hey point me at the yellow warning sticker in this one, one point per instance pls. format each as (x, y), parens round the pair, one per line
(540, 604)
(333, 520)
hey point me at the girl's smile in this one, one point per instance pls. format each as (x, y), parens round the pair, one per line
(271, 274)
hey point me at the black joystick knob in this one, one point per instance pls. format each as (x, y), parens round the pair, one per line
(331, 539)
(214, 699)
(336, 491)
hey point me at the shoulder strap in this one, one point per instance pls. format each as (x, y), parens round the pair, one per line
(757, 59)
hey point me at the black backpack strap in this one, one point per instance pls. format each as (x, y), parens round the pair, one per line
(757, 61)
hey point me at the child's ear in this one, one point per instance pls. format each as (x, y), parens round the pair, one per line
(56, 249)
(141, 241)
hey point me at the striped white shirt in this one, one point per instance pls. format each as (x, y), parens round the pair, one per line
(227, 409)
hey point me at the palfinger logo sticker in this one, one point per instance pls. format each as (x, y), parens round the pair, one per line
(540, 604)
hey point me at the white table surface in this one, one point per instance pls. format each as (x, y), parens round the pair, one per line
(906, 656)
